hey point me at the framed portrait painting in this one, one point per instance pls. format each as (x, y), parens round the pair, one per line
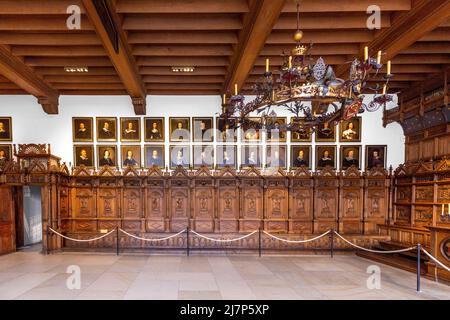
(301, 156)
(203, 129)
(154, 156)
(203, 156)
(301, 135)
(180, 156)
(326, 132)
(251, 155)
(82, 129)
(325, 157)
(154, 129)
(226, 155)
(350, 130)
(83, 156)
(276, 156)
(106, 156)
(376, 156)
(5, 129)
(130, 129)
(226, 130)
(179, 129)
(106, 129)
(276, 129)
(130, 156)
(350, 156)
(5, 153)
(251, 130)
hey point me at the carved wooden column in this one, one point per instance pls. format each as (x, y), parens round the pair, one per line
(301, 197)
(351, 202)
(251, 200)
(325, 200)
(227, 185)
(179, 199)
(156, 209)
(276, 200)
(203, 201)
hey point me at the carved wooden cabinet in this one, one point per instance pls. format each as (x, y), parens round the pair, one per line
(203, 201)
(301, 195)
(276, 202)
(252, 200)
(227, 200)
(325, 200)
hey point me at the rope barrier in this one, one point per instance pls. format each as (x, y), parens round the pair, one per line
(374, 251)
(436, 260)
(297, 241)
(81, 240)
(146, 239)
(223, 240)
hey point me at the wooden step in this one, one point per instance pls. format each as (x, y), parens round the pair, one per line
(394, 260)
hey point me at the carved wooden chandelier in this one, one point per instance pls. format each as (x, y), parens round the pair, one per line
(310, 91)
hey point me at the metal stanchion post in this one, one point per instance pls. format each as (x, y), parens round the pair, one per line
(419, 248)
(332, 242)
(117, 241)
(259, 242)
(187, 241)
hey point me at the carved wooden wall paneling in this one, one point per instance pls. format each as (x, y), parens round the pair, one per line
(228, 201)
(276, 203)
(252, 201)
(7, 228)
(351, 202)
(301, 197)
(326, 201)
(376, 200)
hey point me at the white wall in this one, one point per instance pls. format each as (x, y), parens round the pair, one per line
(32, 125)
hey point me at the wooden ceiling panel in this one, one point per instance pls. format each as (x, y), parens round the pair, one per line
(216, 37)
(191, 6)
(182, 22)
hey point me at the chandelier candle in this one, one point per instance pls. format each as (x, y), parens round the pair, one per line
(379, 57)
(235, 89)
(366, 53)
(389, 68)
(267, 65)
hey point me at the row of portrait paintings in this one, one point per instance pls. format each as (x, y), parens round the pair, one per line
(251, 155)
(202, 130)
(5, 129)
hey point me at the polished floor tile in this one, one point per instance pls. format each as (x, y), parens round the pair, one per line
(30, 275)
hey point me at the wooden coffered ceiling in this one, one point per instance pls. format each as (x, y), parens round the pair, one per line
(226, 41)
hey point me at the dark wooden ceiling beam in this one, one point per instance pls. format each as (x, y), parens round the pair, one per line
(347, 5)
(41, 23)
(439, 34)
(191, 6)
(183, 61)
(321, 36)
(23, 76)
(59, 51)
(122, 59)
(406, 29)
(258, 25)
(328, 21)
(50, 39)
(182, 50)
(93, 71)
(203, 71)
(177, 79)
(182, 37)
(69, 62)
(30, 7)
(182, 22)
(76, 78)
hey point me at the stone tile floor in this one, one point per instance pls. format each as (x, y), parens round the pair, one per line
(31, 275)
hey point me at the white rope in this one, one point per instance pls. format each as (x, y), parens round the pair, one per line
(298, 241)
(81, 240)
(374, 251)
(224, 240)
(159, 239)
(436, 260)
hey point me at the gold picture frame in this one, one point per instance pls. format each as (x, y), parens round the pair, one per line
(130, 156)
(226, 155)
(154, 129)
(130, 129)
(6, 133)
(372, 160)
(86, 158)
(5, 153)
(83, 129)
(183, 159)
(272, 135)
(323, 160)
(276, 161)
(301, 160)
(110, 159)
(350, 155)
(159, 160)
(179, 129)
(350, 130)
(326, 132)
(203, 129)
(106, 128)
(226, 132)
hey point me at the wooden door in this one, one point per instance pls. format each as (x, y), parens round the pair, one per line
(7, 230)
